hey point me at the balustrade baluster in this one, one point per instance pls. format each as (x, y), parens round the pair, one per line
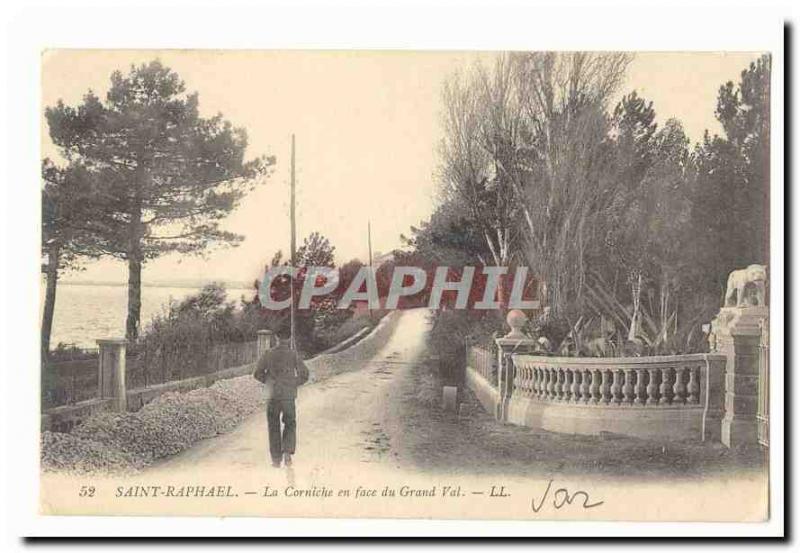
(693, 386)
(640, 389)
(547, 383)
(605, 386)
(595, 387)
(665, 389)
(616, 388)
(576, 386)
(567, 387)
(586, 375)
(532, 388)
(627, 388)
(556, 383)
(559, 386)
(679, 388)
(550, 383)
(542, 383)
(652, 388)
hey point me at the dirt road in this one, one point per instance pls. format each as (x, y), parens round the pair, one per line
(340, 420)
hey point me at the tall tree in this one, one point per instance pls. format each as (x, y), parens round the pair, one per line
(731, 205)
(482, 136)
(169, 175)
(563, 172)
(69, 230)
(316, 251)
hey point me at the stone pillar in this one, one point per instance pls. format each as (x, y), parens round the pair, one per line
(712, 397)
(111, 372)
(264, 341)
(737, 335)
(515, 341)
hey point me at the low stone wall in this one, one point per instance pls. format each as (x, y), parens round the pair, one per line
(65, 417)
(139, 397)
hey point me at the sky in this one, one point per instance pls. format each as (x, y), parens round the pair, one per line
(367, 126)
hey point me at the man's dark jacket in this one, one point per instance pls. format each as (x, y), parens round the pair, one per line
(282, 370)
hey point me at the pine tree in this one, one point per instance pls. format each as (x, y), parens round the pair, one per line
(169, 176)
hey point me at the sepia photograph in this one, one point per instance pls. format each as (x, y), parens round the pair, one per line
(519, 277)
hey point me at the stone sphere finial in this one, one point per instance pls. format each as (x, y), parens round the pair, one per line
(516, 319)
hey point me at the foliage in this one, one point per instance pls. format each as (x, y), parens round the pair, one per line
(632, 233)
(730, 208)
(181, 340)
(452, 329)
(317, 327)
(166, 175)
(205, 317)
(69, 230)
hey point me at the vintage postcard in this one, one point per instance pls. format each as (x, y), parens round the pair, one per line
(508, 285)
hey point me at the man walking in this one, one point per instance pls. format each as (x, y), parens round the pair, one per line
(281, 370)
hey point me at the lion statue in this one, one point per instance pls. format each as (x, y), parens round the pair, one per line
(740, 281)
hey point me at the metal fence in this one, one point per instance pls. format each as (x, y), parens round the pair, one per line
(483, 359)
(68, 379)
(73, 377)
(147, 367)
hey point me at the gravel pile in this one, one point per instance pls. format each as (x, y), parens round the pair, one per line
(67, 453)
(173, 422)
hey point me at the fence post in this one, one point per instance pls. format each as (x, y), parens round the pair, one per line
(515, 341)
(264, 341)
(111, 372)
(737, 334)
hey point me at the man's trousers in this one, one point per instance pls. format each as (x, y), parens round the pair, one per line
(280, 442)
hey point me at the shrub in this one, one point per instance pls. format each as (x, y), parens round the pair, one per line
(452, 328)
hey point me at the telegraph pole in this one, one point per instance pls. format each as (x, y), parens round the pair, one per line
(369, 249)
(293, 249)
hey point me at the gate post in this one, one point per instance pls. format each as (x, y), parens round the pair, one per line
(515, 341)
(738, 335)
(111, 372)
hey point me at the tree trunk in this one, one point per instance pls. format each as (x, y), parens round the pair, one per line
(134, 299)
(135, 259)
(636, 289)
(49, 298)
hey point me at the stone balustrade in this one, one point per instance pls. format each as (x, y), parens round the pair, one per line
(672, 381)
(661, 397)
(722, 395)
